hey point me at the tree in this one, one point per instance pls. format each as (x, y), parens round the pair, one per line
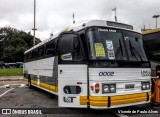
(13, 44)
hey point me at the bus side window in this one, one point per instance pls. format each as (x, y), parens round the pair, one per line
(77, 55)
(41, 51)
(25, 57)
(29, 56)
(34, 54)
(50, 48)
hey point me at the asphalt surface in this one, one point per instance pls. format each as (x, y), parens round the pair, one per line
(21, 97)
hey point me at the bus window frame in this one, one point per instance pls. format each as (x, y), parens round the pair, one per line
(55, 52)
(82, 61)
(41, 56)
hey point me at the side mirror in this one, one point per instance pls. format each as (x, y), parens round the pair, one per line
(68, 42)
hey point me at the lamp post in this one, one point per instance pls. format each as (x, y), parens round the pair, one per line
(115, 11)
(34, 28)
(73, 18)
(156, 16)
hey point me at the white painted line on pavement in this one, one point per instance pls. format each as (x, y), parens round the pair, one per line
(5, 86)
(2, 86)
(23, 85)
(14, 84)
(6, 92)
(8, 85)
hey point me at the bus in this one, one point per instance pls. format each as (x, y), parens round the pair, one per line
(151, 43)
(95, 64)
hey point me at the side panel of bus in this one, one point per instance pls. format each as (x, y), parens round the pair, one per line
(72, 84)
(43, 73)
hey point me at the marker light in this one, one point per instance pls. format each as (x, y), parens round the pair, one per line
(92, 88)
(97, 88)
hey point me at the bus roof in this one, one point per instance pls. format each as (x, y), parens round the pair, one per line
(151, 31)
(81, 25)
(103, 23)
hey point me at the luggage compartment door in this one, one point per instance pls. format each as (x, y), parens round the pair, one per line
(72, 85)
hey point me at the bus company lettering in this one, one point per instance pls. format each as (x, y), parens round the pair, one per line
(106, 73)
(68, 99)
(145, 73)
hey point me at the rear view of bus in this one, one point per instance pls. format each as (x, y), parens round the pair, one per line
(102, 65)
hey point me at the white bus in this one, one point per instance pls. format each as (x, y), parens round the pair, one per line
(95, 64)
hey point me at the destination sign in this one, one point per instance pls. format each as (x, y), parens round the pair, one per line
(120, 25)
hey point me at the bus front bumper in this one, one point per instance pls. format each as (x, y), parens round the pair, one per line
(116, 101)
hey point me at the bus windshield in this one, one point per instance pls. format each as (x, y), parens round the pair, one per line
(109, 44)
(134, 46)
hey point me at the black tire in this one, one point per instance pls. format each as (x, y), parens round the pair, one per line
(29, 83)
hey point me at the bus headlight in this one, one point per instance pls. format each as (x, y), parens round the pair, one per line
(145, 85)
(148, 85)
(112, 88)
(108, 88)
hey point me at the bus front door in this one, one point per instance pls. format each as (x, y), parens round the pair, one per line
(72, 86)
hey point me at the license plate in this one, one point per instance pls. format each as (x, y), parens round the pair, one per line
(129, 86)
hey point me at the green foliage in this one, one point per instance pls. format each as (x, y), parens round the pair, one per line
(13, 43)
(11, 72)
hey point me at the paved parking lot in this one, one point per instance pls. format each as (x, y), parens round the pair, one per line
(21, 97)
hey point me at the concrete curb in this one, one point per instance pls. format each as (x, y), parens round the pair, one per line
(11, 78)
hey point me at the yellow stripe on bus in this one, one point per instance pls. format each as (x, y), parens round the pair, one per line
(83, 100)
(131, 98)
(98, 100)
(114, 100)
(54, 88)
(34, 82)
(25, 79)
(127, 101)
(44, 85)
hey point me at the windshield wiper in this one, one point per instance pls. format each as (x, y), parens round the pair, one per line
(119, 49)
(137, 53)
(133, 51)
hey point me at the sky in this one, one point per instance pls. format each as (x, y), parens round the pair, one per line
(53, 16)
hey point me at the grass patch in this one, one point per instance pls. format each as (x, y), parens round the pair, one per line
(11, 72)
